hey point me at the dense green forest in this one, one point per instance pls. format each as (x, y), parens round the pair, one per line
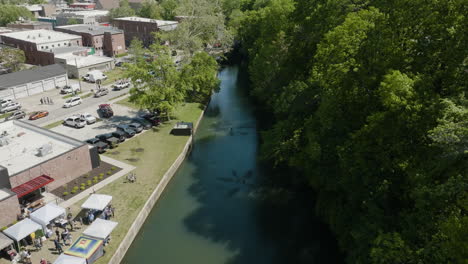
(369, 108)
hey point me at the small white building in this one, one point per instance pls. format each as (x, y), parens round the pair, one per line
(28, 82)
(78, 66)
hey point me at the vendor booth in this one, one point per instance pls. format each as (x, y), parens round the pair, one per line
(22, 230)
(66, 259)
(86, 247)
(5, 246)
(100, 229)
(97, 202)
(46, 214)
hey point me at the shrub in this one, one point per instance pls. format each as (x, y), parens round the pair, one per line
(101, 174)
(109, 172)
(75, 187)
(89, 182)
(95, 180)
(73, 191)
(113, 168)
(86, 175)
(82, 187)
(95, 177)
(65, 193)
(3, 228)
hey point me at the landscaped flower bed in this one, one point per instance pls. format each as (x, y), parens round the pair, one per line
(86, 181)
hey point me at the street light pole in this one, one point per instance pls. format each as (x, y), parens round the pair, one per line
(79, 77)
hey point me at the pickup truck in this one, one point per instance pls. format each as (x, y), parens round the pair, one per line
(119, 85)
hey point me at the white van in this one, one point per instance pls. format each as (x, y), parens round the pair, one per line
(95, 75)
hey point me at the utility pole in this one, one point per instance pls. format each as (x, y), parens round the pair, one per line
(79, 77)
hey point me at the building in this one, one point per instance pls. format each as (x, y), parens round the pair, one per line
(43, 10)
(88, 17)
(78, 66)
(83, 6)
(31, 25)
(28, 82)
(51, 20)
(142, 28)
(35, 161)
(38, 44)
(107, 4)
(105, 40)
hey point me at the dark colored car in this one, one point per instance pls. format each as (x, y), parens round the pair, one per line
(100, 145)
(145, 123)
(120, 135)
(127, 130)
(106, 110)
(38, 114)
(153, 119)
(109, 139)
(136, 126)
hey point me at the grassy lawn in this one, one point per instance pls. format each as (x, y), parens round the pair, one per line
(113, 75)
(5, 115)
(126, 102)
(54, 124)
(152, 153)
(182, 113)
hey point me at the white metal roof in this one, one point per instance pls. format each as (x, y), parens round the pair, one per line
(41, 36)
(97, 202)
(100, 228)
(22, 229)
(83, 61)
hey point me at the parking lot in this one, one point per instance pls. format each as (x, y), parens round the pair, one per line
(122, 114)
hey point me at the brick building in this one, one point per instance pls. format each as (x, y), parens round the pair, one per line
(105, 40)
(31, 25)
(142, 28)
(38, 44)
(34, 162)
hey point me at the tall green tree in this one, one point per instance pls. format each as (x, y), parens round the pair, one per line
(12, 58)
(199, 77)
(150, 9)
(124, 10)
(11, 13)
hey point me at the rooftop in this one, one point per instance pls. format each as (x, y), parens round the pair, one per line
(5, 193)
(19, 147)
(27, 76)
(70, 49)
(29, 23)
(143, 19)
(83, 61)
(92, 29)
(41, 36)
(85, 13)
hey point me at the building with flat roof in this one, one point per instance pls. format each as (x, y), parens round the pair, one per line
(78, 66)
(33, 81)
(105, 40)
(35, 160)
(38, 44)
(142, 28)
(31, 25)
(82, 6)
(88, 17)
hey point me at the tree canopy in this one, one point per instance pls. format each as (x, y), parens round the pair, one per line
(11, 13)
(369, 108)
(124, 10)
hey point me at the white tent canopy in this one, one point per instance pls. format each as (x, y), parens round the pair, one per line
(97, 202)
(66, 259)
(22, 229)
(47, 213)
(4, 241)
(100, 228)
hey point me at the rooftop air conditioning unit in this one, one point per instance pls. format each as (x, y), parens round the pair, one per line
(44, 150)
(49, 37)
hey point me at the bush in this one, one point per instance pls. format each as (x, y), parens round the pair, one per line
(65, 193)
(82, 187)
(3, 228)
(109, 172)
(113, 168)
(73, 191)
(75, 188)
(89, 182)
(86, 175)
(101, 174)
(95, 180)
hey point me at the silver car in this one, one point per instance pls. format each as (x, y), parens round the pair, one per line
(16, 115)
(75, 121)
(10, 107)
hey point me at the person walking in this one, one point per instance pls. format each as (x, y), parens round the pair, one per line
(57, 232)
(42, 100)
(58, 247)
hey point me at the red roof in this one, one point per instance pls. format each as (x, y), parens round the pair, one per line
(32, 185)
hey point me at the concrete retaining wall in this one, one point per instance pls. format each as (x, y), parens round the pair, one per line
(154, 197)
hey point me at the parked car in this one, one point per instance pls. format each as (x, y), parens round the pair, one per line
(143, 122)
(120, 135)
(101, 92)
(127, 130)
(10, 107)
(67, 89)
(119, 64)
(16, 115)
(119, 85)
(75, 121)
(90, 119)
(38, 114)
(136, 126)
(109, 139)
(152, 118)
(72, 102)
(5, 102)
(106, 110)
(100, 145)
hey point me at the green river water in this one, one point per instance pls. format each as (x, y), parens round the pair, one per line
(214, 211)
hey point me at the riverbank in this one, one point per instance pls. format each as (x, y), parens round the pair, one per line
(154, 154)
